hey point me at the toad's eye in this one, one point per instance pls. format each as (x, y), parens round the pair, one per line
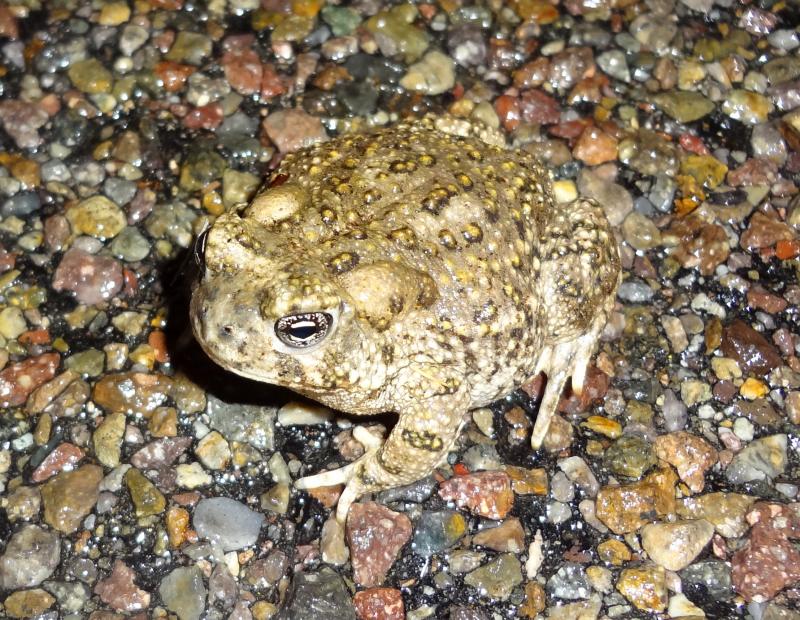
(301, 331)
(200, 248)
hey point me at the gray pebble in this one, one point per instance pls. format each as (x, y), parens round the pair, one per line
(322, 595)
(569, 582)
(228, 522)
(21, 205)
(635, 291)
(613, 62)
(183, 592)
(55, 170)
(119, 190)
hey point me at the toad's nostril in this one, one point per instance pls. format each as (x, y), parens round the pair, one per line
(226, 331)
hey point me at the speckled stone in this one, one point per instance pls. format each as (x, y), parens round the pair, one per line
(485, 493)
(375, 536)
(645, 588)
(30, 556)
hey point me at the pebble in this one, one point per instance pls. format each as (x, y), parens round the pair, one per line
(645, 587)
(245, 423)
(536, 106)
(527, 481)
(579, 472)
(70, 596)
(748, 107)
(684, 106)
(69, 496)
(30, 557)
(183, 592)
(147, 499)
(90, 76)
(436, 531)
(768, 562)
(764, 458)
(691, 456)
(322, 595)
(764, 232)
(433, 75)
(616, 200)
(21, 205)
(614, 63)
(640, 232)
(594, 147)
(119, 590)
(64, 457)
(569, 582)
(613, 552)
(379, 604)
(707, 579)
(749, 349)
(498, 578)
(506, 537)
(19, 379)
(213, 451)
(28, 603)
(675, 545)
(93, 279)
(487, 494)
(635, 291)
(268, 571)
(190, 47)
(22, 122)
(227, 522)
(588, 610)
(107, 439)
(630, 456)
(395, 33)
(132, 38)
(291, 130)
(332, 543)
(23, 504)
(375, 536)
(626, 508)
(342, 20)
(674, 412)
(726, 511)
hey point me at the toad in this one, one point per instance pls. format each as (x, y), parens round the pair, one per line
(423, 269)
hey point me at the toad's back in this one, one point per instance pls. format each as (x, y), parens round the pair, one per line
(447, 199)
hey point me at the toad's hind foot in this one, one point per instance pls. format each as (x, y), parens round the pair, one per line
(423, 436)
(350, 475)
(560, 362)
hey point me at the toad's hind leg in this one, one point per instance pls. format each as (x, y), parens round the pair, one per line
(578, 282)
(424, 434)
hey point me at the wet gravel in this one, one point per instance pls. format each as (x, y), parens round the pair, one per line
(139, 480)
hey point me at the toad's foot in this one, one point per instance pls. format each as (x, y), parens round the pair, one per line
(350, 475)
(420, 440)
(560, 362)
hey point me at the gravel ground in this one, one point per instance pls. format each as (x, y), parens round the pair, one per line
(139, 480)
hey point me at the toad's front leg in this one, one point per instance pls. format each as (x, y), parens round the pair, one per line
(427, 429)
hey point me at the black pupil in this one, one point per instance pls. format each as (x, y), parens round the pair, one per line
(303, 331)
